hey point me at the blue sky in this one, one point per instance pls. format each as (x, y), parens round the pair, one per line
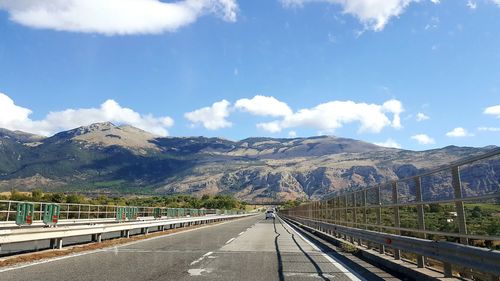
(237, 69)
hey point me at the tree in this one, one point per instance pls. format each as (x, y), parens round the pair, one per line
(37, 194)
(18, 196)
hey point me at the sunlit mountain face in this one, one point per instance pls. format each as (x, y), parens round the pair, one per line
(113, 159)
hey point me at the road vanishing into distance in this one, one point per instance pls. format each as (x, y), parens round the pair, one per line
(250, 248)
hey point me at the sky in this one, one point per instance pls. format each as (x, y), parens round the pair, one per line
(400, 73)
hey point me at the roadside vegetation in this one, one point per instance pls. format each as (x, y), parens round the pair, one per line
(170, 201)
(481, 219)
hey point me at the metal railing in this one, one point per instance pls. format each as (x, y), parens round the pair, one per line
(432, 206)
(71, 211)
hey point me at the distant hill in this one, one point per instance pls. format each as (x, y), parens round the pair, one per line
(106, 158)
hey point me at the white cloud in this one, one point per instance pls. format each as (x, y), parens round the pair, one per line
(497, 2)
(113, 17)
(213, 117)
(292, 134)
(472, 5)
(394, 106)
(333, 115)
(493, 110)
(422, 117)
(458, 132)
(14, 117)
(489, 129)
(436, 1)
(374, 14)
(263, 106)
(272, 127)
(389, 143)
(423, 139)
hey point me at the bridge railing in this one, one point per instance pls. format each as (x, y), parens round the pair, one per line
(71, 211)
(457, 204)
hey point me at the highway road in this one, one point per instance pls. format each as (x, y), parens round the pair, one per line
(245, 249)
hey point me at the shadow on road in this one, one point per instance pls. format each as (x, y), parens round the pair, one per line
(278, 254)
(280, 260)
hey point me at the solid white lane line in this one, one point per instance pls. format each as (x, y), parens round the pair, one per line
(230, 240)
(107, 249)
(47, 261)
(351, 274)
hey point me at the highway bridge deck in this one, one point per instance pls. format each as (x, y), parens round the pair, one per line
(246, 249)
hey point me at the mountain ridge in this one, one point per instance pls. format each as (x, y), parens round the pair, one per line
(106, 158)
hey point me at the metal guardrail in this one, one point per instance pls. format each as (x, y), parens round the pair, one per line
(396, 210)
(482, 259)
(73, 211)
(56, 234)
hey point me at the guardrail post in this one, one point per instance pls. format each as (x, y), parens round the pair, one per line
(346, 219)
(459, 208)
(459, 205)
(351, 238)
(397, 224)
(8, 211)
(41, 210)
(335, 213)
(365, 217)
(354, 214)
(379, 217)
(420, 216)
(79, 210)
(56, 243)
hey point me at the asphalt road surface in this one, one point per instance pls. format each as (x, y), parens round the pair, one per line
(245, 249)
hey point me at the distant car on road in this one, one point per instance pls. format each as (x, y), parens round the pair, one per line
(270, 214)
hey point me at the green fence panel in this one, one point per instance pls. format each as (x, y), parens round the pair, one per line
(157, 213)
(25, 213)
(51, 214)
(131, 213)
(121, 214)
(170, 212)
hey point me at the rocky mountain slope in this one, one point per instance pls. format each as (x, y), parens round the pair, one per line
(115, 159)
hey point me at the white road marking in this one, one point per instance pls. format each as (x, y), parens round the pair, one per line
(309, 275)
(201, 258)
(241, 233)
(351, 274)
(196, 261)
(50, 260)
(107, 249)
(198, 271)
(230, 240)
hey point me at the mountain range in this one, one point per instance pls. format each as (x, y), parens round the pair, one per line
(105, 158)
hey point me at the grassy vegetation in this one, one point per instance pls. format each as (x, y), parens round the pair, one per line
(173, 201)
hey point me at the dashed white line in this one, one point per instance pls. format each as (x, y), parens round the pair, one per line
(241, 233)
(201, 258)
(107, 249)
(230, 240)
